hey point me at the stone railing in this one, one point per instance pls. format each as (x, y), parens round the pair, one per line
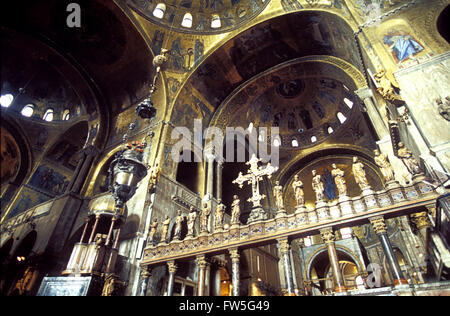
(394, 201)
(39, 210)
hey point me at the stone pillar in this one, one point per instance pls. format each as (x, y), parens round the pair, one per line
(145, 275)
(210, 175)
(329, 239)
(172, 270)
(287, 265)
(366, 95)
(235, 278)
(208, 280)
(379, 226)
(87, 156)
(201, 264)
(219, 178)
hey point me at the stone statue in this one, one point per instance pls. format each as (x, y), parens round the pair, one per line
(297, 185)
(204, 215)
(278, 195)
(165, 229)
(178, 226)
(192, 216)
(383, 163)
(386, 87)
(408, 159)
(151, 234)
(444, 108)
(218, 218)
(317, 185)
(339, 179)
(235, 210)
(360, 174)
(154, 175)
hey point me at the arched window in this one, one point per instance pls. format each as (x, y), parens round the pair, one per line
(341, 117)
(6, 100)
(187, 20)
(348, 103)
(330, 130)
(313, 139)
(27, 110)
(215, 21)
(294, 143)
(159, 11)
(66, 115)
(48, 116)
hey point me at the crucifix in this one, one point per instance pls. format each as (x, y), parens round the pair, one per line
(254, 175)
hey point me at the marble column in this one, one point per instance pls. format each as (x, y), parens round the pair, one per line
(210, 175)
(87, 156)
(329, 238)
(219, 178)
(171, 265)
(201, 264)
(287, 265)
(145, 275)
(379, 226)
(366, 95)
(235, 278)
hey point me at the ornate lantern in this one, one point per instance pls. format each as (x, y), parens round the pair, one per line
(125, 172)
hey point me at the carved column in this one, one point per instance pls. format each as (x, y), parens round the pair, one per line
(172, 270)
(284, 252)
(329, 239)
(235, 278)
(201, 264)
(379, 226)
(145, 275)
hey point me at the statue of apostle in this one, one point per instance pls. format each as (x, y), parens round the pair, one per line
(317, 185)
(165, 229)
(192, 216)
(383, 163)
(278, 195)
(297, 185)
(339, 179)
(408, 159)
(204, 215)
(235, 210)
(178, 226)
(360, 174)
(218, 216)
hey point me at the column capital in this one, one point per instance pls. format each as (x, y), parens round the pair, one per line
(421, 220)
(146, 272)
(328, 235)
(378, 224)
(172, 266)
(201, 261)
(284, 245)
(234, 254)
(364, 93)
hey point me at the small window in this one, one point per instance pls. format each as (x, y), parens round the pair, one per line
(187, 20)
(341, 117)
(330, 130)
(215, 22)
(294, 143)
(6, 100)
(313, 139)
(48, 116)
(159, 11)
(66, 115)
(27, 110)
(308, 241)
(348, 103)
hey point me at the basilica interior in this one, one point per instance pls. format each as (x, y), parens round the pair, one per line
(119, 176)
